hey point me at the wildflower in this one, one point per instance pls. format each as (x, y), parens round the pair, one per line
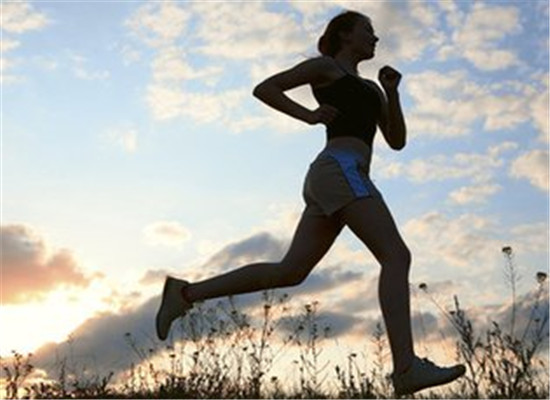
(507, 250)
(541, 277)
(423, 287)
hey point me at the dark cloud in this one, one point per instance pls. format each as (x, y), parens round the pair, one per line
(29, 271)
(154, 277)
(102, 341)
(259, 247)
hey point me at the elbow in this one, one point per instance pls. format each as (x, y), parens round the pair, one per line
(257, 91)
(398, 146)
(260, 91)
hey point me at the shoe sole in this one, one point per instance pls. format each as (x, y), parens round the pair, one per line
(169, 281)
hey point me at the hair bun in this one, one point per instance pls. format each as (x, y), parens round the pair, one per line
(323, 45)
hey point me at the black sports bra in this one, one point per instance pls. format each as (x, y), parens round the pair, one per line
(359, 106)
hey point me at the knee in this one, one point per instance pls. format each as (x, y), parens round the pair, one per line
(290, 275)
(399, 261)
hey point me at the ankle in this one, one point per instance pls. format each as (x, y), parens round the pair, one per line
(401, 369)
(185, 294)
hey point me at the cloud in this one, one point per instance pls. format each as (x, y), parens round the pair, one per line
(30, 270)
(531, 238)
(82, 71)
(539, 111)
(154, 277)
(252, 32)
(124, 137)
(8, 44)
(159, 24)
(533, 166)
(17, 18)
(170, 65)
(436, 239)
(480, 34)
(103, 340)
(258, 247)
(249, 31)
(480, 168)
(20, 17)
(449, 104)
(166, 233)
(473, 194)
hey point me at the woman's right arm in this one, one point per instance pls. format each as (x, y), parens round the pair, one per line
(313, 71)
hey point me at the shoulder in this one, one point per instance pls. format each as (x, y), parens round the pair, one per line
(318, 64)
(321, 70)
(313, 71)
(374, 85)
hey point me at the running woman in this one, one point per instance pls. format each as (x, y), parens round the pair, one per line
(337, 192)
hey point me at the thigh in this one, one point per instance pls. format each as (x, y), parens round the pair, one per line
(371, 221)
(314, 236)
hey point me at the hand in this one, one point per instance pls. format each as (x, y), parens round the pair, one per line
(325, 114)
(389, 78)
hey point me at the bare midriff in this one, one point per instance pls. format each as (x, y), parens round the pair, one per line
(349, 143)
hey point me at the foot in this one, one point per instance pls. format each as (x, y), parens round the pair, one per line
(172, 306)
(423, 374)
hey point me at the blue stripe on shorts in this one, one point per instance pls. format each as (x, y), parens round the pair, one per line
(350, 162)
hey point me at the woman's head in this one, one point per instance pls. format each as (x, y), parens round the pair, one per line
(341, 26)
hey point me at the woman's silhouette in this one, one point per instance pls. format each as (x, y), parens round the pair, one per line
(337, 191)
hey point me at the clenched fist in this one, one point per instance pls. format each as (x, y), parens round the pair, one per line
(389, 78)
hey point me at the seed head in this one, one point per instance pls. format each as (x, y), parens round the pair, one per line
(541, 277)
(507, 250)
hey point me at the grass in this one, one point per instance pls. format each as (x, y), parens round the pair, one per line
(225, 353)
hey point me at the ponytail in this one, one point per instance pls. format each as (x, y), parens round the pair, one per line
(330, 42)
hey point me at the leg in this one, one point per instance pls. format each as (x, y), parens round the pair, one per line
(312, 239)
(371, 221)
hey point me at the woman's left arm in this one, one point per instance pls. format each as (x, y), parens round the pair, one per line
(392, 122)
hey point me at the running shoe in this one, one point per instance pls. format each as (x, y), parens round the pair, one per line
(172, 306)
(423, 374)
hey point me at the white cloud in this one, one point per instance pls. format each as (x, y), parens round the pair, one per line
(159, 24)
(170, 65)
(478, 167)
(473, 194)
(247, 31)
(449, 104)
(539, 109)
(531, 238)
(20, 16)
(17, 18)
(166, 233)
(446, 104)
(465, 241)
(479, 35)
(7, 44)
(533, 166)
(453, 14)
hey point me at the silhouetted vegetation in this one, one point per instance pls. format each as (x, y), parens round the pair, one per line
(222, 352)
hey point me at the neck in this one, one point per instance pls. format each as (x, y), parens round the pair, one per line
(347, 61)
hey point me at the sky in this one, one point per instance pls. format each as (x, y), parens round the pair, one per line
(132, 148)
